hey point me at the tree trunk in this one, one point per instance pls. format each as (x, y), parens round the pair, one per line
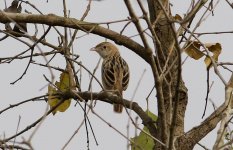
(166, 54)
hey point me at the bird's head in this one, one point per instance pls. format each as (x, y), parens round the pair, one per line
(105, 49)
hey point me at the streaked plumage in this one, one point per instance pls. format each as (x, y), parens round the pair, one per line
(115, 71)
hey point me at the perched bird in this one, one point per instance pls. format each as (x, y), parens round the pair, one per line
(115, 71)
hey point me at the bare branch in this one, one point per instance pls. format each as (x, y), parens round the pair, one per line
(53, 20)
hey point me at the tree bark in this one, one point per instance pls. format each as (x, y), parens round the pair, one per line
(167, 53)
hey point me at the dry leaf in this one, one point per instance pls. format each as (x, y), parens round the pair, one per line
(193, 50)
(178, 17)
(216, 49)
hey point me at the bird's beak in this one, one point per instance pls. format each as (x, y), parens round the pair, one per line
(93, 49)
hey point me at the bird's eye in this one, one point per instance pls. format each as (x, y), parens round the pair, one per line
(104, 47)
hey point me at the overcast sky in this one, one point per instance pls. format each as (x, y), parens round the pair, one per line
(56, 130)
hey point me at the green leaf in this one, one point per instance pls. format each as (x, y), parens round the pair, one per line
(153, 116)
(143, 141)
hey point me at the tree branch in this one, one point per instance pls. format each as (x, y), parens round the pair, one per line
(53, 20)
(110, 98)
(197, 133)
(137, 25)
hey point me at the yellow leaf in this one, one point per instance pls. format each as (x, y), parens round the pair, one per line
(193, 50)
(54, 99)
(64, 83)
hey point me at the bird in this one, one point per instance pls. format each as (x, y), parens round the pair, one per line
(114, 71)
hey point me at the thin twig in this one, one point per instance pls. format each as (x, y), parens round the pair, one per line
(22, 102)
(17, 129)
(137, 24)
(34, 123)
(32, 50)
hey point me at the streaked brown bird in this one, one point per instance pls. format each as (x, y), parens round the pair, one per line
(115, 70)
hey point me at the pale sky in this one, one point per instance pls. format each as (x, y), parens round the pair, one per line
(56, 130)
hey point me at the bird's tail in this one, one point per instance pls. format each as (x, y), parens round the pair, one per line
(118, 108)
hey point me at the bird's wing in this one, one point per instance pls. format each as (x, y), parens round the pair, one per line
(115, 73)
(126, 73)
(108, 73)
